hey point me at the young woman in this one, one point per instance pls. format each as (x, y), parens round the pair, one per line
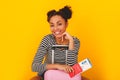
(58, 21)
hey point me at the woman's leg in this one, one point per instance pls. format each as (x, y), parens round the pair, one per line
(59, 75)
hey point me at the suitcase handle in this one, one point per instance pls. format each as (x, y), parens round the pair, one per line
(59, 46)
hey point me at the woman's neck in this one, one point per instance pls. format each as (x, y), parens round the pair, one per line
(61, 42)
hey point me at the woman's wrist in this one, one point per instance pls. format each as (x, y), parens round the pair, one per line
(52, 66)
(71, 40)
(71, 44)
(57, 66)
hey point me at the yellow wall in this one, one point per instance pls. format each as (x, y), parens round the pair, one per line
(95, 22)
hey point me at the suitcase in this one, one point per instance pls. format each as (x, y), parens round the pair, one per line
(65, 47)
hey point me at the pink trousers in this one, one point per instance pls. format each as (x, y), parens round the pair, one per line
(59, 75)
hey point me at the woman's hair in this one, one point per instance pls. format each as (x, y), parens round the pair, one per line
(65, 13)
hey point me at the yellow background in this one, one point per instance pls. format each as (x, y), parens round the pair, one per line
(95, 22)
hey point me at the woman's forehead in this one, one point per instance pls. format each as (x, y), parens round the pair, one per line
(56, 18)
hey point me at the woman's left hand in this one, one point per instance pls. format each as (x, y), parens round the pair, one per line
(67, 36)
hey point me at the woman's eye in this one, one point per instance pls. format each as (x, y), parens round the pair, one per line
(60, 24)
(51, 25)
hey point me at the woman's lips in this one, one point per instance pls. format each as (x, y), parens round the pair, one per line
(57, 33)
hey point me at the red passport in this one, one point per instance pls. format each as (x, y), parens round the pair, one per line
(81, 67)
(77, 69)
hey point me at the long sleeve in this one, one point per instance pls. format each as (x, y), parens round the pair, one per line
(37, 65)
(72, 54)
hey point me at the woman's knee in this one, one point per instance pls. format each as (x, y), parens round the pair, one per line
(48, 74)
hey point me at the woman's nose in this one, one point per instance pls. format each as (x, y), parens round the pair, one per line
(55, 28)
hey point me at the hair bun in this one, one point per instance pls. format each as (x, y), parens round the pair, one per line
(50, 13)
(66, 11)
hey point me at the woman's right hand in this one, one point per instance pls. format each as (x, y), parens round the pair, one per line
(65, 68)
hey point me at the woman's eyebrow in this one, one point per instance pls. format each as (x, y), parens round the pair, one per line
(58, 21)
(51, 23)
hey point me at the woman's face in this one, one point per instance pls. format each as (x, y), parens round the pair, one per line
(57, 25)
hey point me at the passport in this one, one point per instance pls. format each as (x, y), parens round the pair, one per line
(80, 67)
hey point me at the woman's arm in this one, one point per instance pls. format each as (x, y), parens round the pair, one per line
(65, 68)
(73, 49)
(72, 54)
(37, 65)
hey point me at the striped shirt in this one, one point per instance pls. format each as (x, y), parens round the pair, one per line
(45, 51)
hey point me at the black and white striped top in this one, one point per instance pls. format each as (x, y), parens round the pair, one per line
(45, 51)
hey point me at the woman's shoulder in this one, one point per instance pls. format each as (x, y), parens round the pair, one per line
(76, 39)
(48, 37)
